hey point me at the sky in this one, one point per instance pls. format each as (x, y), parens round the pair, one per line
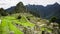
(8, 3)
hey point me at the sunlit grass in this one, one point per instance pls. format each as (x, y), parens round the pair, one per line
(7, 25)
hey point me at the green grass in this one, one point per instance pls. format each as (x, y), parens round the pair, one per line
(7, 25)
(14, 29)
(4, 27)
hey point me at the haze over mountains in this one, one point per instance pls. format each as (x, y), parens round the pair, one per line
(44, 12)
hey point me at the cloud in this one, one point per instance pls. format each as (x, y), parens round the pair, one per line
(8, 3)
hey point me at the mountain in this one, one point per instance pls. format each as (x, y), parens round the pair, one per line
(39, 10)
(18, 20)
(45, 12)
(11, 8)
(20, 8)
(17, 9)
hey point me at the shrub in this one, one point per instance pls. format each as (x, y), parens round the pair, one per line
(53, 19)
(19, 17)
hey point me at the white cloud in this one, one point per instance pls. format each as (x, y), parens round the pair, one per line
(8, 3)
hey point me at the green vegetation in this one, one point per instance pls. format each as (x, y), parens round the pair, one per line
(53, 19)
(21, 21)
(7, 25)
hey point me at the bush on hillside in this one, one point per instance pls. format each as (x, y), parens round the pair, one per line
(19, 17)
(53, 19)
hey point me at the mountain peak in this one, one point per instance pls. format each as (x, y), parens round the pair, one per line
(56, 3)
(20, 4)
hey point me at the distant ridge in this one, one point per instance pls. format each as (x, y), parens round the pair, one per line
(44, 12)
(11, 8)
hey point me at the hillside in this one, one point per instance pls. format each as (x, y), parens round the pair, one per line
(10, 24)
(18, 20)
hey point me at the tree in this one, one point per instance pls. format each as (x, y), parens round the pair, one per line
(53, 19)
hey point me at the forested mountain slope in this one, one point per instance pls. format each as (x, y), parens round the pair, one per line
(45, 12)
